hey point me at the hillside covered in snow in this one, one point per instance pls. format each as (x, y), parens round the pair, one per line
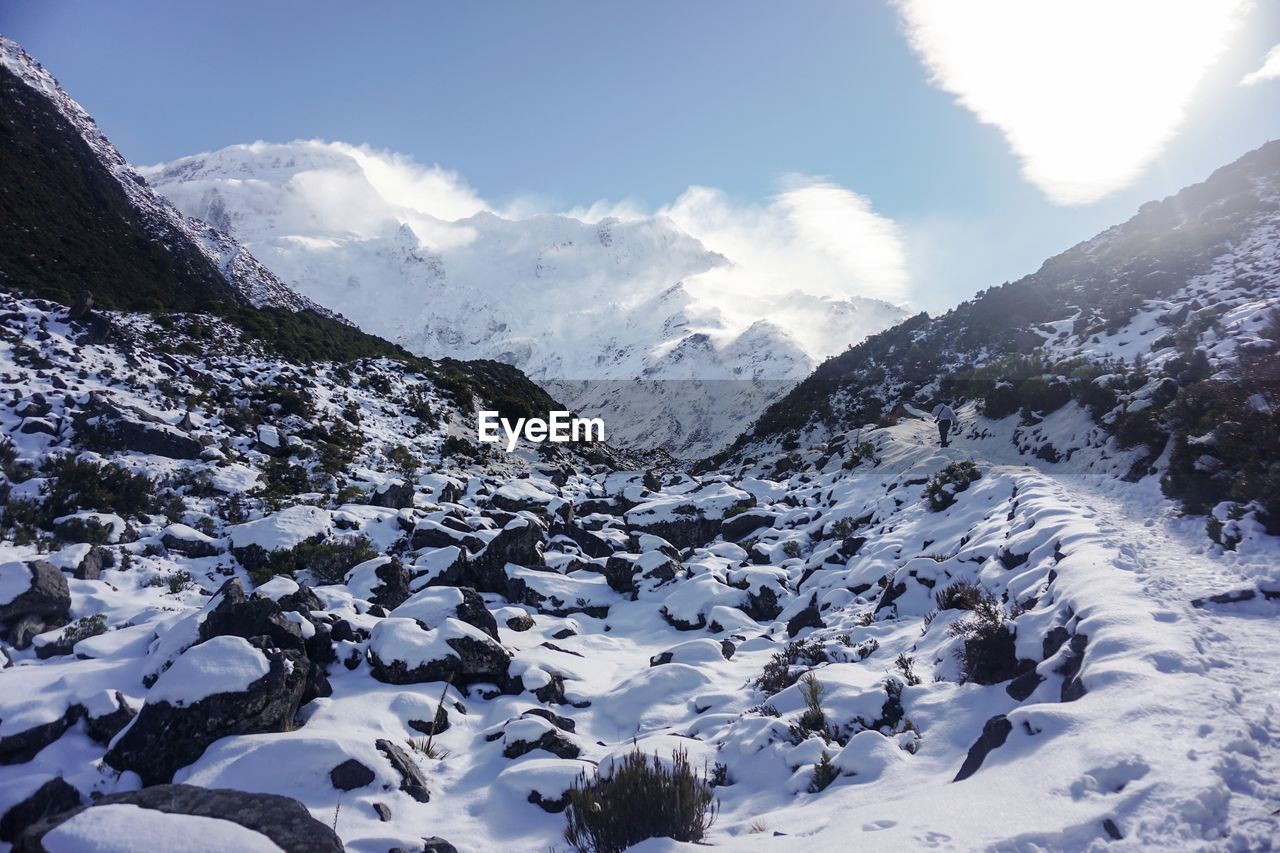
(585, 308)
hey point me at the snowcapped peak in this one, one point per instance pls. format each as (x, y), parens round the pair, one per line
(412, 254)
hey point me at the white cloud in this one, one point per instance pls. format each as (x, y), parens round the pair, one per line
(814, 237)
(402, 181)
(1270, 69)
(1087, 92)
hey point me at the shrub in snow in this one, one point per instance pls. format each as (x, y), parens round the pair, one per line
(642, 798)
(328, 562)
(824, 773)
(779, 672)
(814, 719)
(943, 486)
(961, 595)
(73, 484)
(987, 655)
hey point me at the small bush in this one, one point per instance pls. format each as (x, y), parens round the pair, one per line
(75, 484)
(987, 655)
(814, 719)
(84, 628)
(906, 665)
(777, 675)
(961, 595)
(824, 773)
(404, 461)
(943, 486)
(328, 562)
(640, 799)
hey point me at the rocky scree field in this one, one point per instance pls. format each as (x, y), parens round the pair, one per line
(208, 583)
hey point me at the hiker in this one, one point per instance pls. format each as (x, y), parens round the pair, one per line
(945, 417)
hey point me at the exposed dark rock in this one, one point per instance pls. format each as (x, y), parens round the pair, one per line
(681, 624)
(1053, 641)
(994, 733)
(21, 747)
(807, 618)
(591, 544)
(433, 534)
(397, 495)
(436, 844)
(51, 798)
(1072, 687)
(1010, 560)
(394, 589)
(565, 723)
(763, 605)
(350, 774)
(383, 812)
(285, 821)
(427, 727)
(851, 545)
(249, 616)
(302, 601)
(523, 622)
(551, 741)
(165, 738)
(48, 598)
(891, 593)
(520, 544)
(105, 426)
(90, 567)
(411, 779)
(106, 726)
(551, 806)
(1024, 685)
(738, 527)
(1232, 597)
(474, 613)
(193, 547)
(619, 573)
(472, 661)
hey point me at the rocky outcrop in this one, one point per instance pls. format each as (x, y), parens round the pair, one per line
(104, 426)
(994, 734)
(412, 781)
(283, 820)
(166, 736)
(52, 798)
(397, 495)
(44, 601)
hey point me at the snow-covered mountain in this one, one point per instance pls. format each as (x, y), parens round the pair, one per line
(269, 598)
(565, 300)
(159, 219)
(1155, 343)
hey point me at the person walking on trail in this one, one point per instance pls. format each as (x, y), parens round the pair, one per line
(945, 417)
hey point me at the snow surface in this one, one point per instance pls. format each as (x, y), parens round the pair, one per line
(125, 828)
(15, 579)
(218, 665)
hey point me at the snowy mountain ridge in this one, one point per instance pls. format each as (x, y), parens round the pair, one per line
(259, 286)
(565, 300)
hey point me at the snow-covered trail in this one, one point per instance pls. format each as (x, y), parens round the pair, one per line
(1234, 645)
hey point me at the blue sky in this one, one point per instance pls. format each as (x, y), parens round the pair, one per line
(568, 103)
